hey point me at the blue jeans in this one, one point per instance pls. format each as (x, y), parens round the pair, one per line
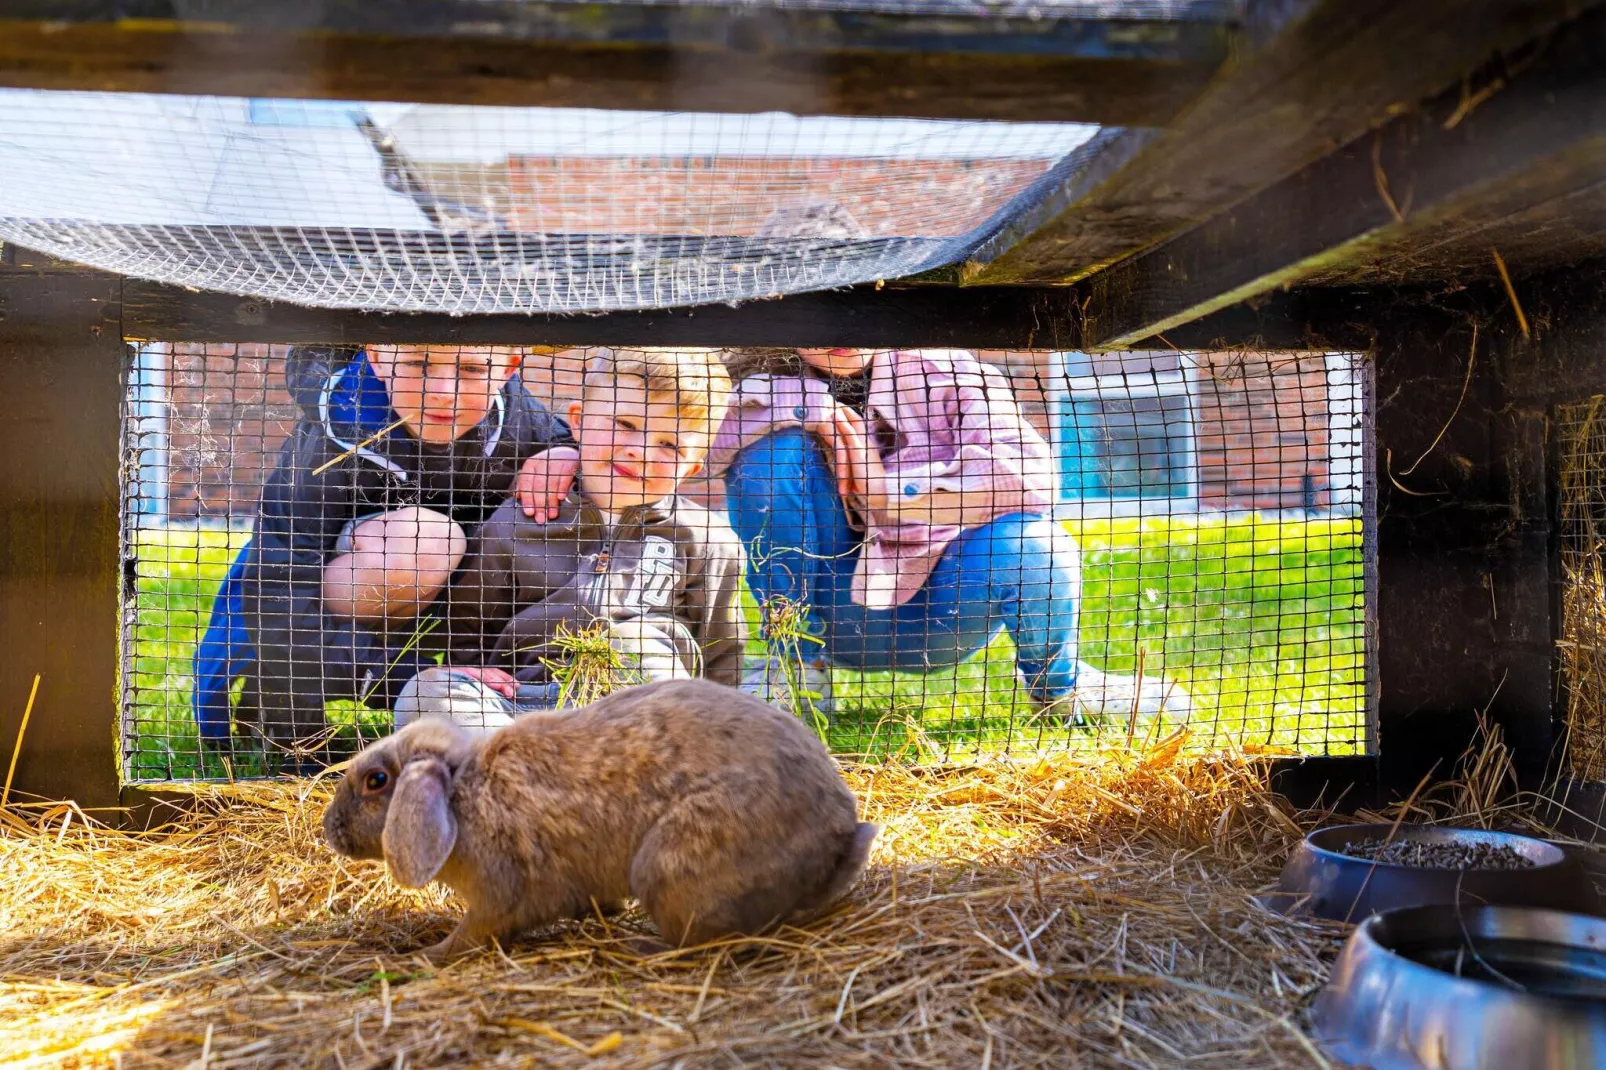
(1021, 572)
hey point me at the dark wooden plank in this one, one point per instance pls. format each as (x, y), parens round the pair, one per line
(1566, 309)
(1346, 781)
(1535, 222)
(1037, 211)
(1334, 318)
(1356, 213)
(1004, 317)
(16, 260)
(1577, 809)
(1007, 317)
(1050, 61)
(1464, 615)
(58, 532)
(1329, 71)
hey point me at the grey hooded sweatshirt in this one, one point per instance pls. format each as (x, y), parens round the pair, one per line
(664, 577)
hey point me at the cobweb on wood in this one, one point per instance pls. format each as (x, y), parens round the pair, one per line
(476, 209)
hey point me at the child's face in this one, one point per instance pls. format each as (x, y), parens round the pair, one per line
(842, 362)
(634, 449)
(442, 392)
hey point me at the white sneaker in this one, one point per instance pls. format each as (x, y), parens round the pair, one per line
(771, 679)
(440, 692)
(1101, 697)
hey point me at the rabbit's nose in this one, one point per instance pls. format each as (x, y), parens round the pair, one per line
(334, 830)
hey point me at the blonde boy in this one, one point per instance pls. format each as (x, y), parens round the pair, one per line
(659, 573)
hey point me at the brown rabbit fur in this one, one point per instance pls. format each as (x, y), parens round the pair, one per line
(721, 814)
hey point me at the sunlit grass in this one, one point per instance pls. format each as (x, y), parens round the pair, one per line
(1261, 620)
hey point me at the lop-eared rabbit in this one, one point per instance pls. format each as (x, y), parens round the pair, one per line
(721, 814)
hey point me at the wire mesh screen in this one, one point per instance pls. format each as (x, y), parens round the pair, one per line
(935, 554)
(480, 209)
(1581, 434)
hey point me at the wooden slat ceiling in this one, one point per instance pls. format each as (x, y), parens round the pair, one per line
(1237, 160)
(1121, 62)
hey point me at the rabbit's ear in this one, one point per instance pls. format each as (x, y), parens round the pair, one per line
(420, 830)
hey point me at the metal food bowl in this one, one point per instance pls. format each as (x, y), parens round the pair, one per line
(1319, 879)
(1470, 988)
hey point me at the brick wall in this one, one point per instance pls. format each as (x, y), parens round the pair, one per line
(1262, 431)
(228, 415)
(1261, 421)
(733, 195)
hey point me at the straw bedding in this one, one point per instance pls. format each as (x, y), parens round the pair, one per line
(1050, 914)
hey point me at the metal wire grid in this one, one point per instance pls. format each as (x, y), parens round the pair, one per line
(1201, 560)
(485, 209)
(1581, 436)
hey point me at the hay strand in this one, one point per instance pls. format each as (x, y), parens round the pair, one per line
(1511, 291)
(1380, 179)
(16, 751)
(364, 444)
(1466, 382)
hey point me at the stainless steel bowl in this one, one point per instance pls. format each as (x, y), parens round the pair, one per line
(1322, 880)
(1479, 988)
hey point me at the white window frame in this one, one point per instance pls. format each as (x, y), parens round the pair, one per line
(1346, 433)
(148, 413)
(1133, 384)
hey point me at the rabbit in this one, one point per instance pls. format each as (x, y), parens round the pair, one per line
(719, 813)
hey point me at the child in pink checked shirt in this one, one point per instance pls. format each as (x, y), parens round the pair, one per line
(904, 500)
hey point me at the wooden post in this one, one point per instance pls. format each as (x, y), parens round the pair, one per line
(1464, 613)
(62, 351)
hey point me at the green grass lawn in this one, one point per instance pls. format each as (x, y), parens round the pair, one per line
(1262, 621)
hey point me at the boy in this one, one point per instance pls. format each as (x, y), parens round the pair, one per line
(399, 456)
(659, 573)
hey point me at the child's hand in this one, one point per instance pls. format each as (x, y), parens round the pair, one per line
(545, 480)
(503, 683)
(857, 457)
(825, 428)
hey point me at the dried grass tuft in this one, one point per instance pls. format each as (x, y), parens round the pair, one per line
(587, 665)
(787, 635)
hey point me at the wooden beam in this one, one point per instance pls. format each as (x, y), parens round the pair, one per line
(1442, 170)
(60, 447)
(1322, 318)
(1048, 61)
(1005, 318)
(1328, 71)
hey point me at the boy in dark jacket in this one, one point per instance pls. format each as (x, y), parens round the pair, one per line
(400, 455)
(655, 574)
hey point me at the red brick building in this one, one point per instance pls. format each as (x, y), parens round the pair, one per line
(1242, 431)
(732, 196)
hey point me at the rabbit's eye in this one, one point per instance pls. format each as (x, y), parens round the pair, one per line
(375, 781)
